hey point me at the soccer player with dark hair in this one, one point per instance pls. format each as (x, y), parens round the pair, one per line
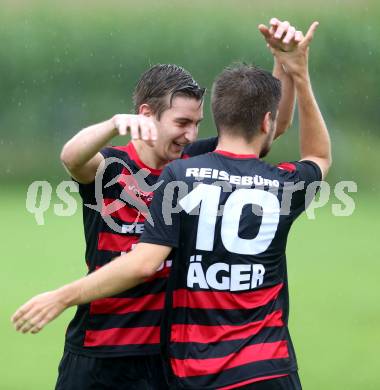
(115, 342)
(217, 257)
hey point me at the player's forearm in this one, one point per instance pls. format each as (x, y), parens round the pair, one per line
(288, 97)
(87, 143)
(314, 135)
(121, 274)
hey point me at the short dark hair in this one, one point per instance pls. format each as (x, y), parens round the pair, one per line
(241, 96)
(161, 83)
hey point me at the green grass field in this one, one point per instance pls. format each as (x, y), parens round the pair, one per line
(333, 271)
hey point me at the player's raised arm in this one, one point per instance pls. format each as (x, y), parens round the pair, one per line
(282, 35)
(315, 142)
(288, 99)
(80, 155)
(121, 274)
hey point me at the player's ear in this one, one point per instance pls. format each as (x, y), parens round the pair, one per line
(266, 123)
(145, 109)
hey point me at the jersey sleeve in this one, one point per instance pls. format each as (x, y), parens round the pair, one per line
(303, 179)
(304, 170)
(200, 147)
(166, 221)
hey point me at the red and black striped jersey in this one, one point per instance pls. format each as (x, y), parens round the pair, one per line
(115, 208)
(226, 313)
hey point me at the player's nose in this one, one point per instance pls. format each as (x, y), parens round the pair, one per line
(191, 133)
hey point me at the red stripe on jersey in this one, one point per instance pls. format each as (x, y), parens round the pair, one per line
(122, 336)
(116, 242)
(287, 166)
(225, 300)
(247, 382)
(185, 157)
(128, 305)
(234, 155)
(186, 333)
(250, 354)
(119, 209)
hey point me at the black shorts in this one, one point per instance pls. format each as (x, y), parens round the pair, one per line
(77, 372)
(289, 382)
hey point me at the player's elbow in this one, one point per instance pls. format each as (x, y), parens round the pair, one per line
(66, 157)
(328, 162)
(328, 156)
(146, 271)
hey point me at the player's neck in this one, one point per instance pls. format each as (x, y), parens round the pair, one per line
(148, 156)
(239, 145)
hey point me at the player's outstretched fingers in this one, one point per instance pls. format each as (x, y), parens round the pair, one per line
(36, 329)
(153, 131)
(281, 29)
(120, 124)
(274, 22)
(30, 319)
(21, 316)
(43, 319)
(122, 128)
(152, 134)
(25, 323)
(265, 31)
(310, 34)
(289, 35)
(134, 126)
(298, 36)
(29, 324)
(17, 315)
(144, 129)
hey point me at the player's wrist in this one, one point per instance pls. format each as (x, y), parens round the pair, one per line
(301, 79)
(68, 296)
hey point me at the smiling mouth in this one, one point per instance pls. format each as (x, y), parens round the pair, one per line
(179, 145)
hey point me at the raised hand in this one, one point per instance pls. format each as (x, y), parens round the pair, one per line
(140, 126)
(280, 35)
(295, 60)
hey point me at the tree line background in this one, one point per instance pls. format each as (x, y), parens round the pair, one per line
(65, 65)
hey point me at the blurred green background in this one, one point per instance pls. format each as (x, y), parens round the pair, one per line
(65, 65)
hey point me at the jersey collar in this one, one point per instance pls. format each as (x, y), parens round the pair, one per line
(132, 152)
(234, 155)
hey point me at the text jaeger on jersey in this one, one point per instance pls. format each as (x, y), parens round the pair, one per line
(223, 276)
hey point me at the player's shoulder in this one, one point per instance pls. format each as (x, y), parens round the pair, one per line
(123, 152)
(189, 161)
(178, 167)
(199, 147)
(301, 170)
